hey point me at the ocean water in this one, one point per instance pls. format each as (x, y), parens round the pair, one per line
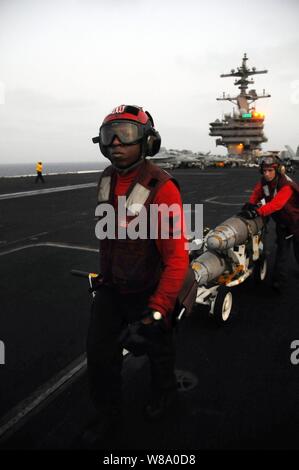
(26, 169)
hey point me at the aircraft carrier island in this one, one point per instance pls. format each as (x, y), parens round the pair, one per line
(238, 384)
(241, 132)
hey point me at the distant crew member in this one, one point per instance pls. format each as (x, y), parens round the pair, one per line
(39, 172)
(289, 167)
(141, 278)
(281, 195)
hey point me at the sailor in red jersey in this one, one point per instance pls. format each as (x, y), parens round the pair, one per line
(281, 196)
(141, 277)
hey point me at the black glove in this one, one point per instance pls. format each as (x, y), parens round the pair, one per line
(136, 337)
(248, 206)
(249, 214)
(132, 339)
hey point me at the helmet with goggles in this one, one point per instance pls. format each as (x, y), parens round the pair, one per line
(270, 161)
(131, 125)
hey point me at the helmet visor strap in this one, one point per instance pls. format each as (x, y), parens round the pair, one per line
(126, 132)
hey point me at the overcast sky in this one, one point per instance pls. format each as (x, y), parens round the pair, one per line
(65, 64)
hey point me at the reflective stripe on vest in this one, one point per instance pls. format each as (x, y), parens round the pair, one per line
(134, 202)
(104, 189)
(137, 198)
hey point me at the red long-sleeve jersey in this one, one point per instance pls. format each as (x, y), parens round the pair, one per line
(172, 250)
(277, 203)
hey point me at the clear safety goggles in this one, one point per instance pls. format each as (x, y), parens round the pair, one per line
(126, 132)
(268, 161)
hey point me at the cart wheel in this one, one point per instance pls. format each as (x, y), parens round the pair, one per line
(223, 305)
(260, 270)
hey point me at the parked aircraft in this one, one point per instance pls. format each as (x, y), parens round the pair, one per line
(289, 154)
(172, 158)
(224, 161)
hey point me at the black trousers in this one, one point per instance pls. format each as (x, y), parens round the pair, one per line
(39, 176)
(110, 313)
(284, 245)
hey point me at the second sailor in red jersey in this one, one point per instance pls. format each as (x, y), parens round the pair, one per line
(281, 196)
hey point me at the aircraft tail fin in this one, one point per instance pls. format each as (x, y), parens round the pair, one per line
(291, 152)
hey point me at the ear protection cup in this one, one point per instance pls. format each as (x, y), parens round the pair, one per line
(282, 169)
(153, 143)
(279, 169)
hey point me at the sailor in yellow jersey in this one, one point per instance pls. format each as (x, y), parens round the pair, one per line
(39, 171)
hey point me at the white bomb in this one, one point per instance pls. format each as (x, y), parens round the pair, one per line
(233, 232)
(207, 267)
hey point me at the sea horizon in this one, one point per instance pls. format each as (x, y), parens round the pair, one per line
(28, 169)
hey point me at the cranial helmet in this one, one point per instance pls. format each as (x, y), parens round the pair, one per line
(271, 161)
(131, 125)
